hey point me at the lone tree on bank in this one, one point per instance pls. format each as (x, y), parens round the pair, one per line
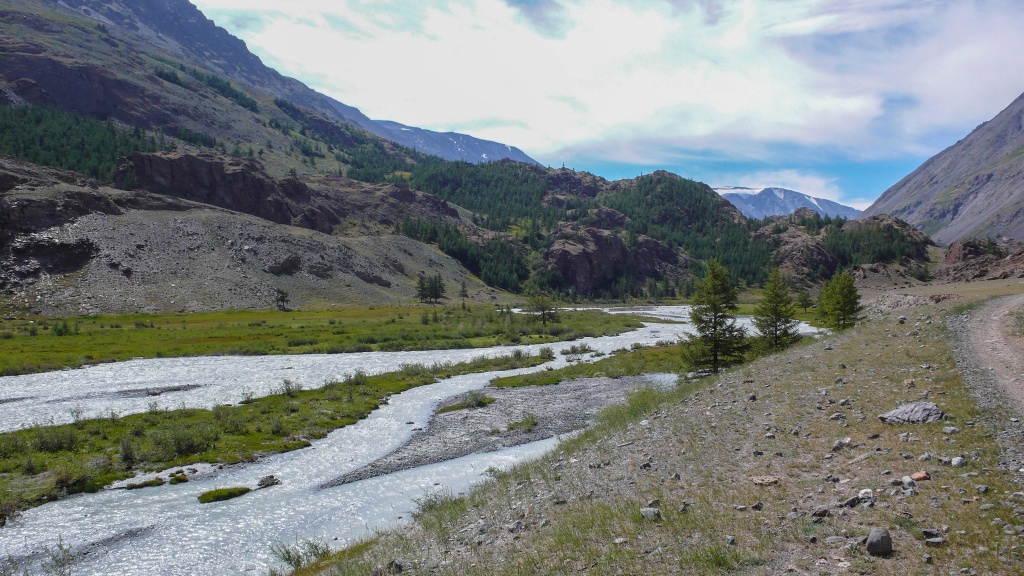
(839, 302)
(774, 314)
(718, 342)
(803, 300)
(543, 307)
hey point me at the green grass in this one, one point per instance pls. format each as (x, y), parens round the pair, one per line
(41, 344)
(473, 399)
(47, 462)
(221, 494)
(583, 518)
(624, 363)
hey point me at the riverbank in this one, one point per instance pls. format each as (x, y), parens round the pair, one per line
(32, 345)
(511, 417)
(780, 466)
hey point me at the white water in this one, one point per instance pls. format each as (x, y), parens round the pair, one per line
(165, 531)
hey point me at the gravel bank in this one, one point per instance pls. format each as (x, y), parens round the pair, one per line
(558, 409)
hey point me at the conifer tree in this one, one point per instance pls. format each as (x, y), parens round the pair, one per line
(803, 300)
(718, 342)
(422, 290)
(543, 307)
(839, 302)
(773, 315)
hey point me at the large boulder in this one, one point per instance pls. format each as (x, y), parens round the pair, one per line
(914, 413)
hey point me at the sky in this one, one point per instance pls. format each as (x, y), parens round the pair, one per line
(832, 98)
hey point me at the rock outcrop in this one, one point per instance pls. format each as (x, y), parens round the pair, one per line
(587, 258)
(969, 260)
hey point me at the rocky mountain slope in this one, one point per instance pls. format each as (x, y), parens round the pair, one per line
(764, 202)
(71, 246)
(973, 189)
(178, 27)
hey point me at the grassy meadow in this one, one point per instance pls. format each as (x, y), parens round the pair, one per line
(41, 344)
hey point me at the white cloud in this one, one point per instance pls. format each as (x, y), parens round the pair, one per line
(641, 81)
(806, 182)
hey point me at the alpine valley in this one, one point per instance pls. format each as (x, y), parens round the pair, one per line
(155, 164)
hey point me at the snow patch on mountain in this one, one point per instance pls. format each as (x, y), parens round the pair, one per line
(773, 201)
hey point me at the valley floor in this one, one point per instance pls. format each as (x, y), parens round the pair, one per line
(761, 470)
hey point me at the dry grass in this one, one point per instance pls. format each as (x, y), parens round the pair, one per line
(578, 509)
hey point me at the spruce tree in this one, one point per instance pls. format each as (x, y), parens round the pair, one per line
(718, 342)
(422, 290)
(773, 315)
(839, 302)
(803, 300)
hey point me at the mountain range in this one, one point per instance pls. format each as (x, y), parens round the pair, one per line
(764, 202)
(181, 30)
(156, 164)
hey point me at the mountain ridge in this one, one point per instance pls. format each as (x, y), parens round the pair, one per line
(777, 201)
(972, 189)
(185, 30)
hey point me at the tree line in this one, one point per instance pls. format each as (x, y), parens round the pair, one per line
(719, 341)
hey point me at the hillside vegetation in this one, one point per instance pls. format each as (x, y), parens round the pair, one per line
(779, 466)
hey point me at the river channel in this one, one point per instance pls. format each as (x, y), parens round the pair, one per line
(165, 531)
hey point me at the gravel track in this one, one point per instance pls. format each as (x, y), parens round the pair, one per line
(991, 360)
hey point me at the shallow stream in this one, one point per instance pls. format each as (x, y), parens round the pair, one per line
(165, 531)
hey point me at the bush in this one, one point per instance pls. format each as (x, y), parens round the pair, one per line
(221, 494)
(185, 440)
(546, 353)
(56, 439)
(301, 553)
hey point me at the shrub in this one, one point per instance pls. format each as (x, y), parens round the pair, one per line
(546, 353)
(56, 439)
(302, 553)
(221, 494)
(185, 440)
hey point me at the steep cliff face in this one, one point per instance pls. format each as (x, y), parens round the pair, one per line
(319, 203)
(973, 189)
(587, 257)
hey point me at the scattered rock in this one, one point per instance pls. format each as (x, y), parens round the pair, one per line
(267, 482)
(652, 514)
(913, 413)
(950, 430)
(879, 542)
(730, 540)
(958, 462)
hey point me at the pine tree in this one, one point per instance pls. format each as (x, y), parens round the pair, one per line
(773, 315)
(839, 302)
(422, 290)
(718, 342)
(435, 287)
(543, 307)
(803, 300)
